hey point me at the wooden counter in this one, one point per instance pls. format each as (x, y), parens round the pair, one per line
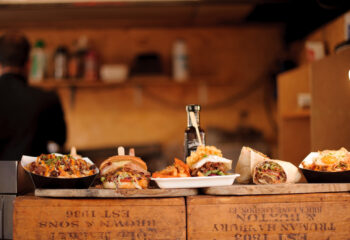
(96, 219)
(274, 217)
(321, 216)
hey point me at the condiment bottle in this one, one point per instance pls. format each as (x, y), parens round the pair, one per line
(38, 62)
(61, 63)
(191, 142)
(74, 63)
(180, 61)
(91, 66)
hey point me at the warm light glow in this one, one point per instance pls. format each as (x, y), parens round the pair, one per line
(349, 75)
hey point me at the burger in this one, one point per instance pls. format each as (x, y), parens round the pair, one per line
(124, 171)
(208, 161)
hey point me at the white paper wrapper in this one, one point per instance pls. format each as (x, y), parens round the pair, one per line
(309, 159)
(244, 166)
(292, 172)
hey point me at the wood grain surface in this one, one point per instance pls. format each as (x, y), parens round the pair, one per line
(56, 219)
(293, 122)
(110, 193)
(330, 113)
(279, 217)
(238, 189)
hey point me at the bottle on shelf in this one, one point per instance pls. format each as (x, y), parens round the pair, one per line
(61, 63)
(180, 61)
(191, 142)
(38, 62)
(91, 66)
(77, 60)
(82, 48)
(74, 63)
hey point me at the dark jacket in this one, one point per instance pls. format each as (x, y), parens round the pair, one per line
(29, 118)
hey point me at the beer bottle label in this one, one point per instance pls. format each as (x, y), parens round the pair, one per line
(192, 144)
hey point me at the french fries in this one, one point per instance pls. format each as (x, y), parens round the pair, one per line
(179, 169)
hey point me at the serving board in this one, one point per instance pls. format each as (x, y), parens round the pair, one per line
(110, 193)
(240, 189)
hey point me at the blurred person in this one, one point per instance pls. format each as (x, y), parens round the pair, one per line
(29, 117)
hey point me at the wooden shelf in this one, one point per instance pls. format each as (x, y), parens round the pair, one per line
(144, 81)
(302, 114)
(53, 84)
(115, 13)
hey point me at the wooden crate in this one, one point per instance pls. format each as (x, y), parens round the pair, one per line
(278, 217)
(84, 219)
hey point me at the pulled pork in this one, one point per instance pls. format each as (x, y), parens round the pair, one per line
(269, 173)
(209, 169)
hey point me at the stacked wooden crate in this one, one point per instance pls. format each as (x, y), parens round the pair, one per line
(264, 217)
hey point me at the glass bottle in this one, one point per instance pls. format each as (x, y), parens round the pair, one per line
(191, 141)
(61, 63)
(38, 62)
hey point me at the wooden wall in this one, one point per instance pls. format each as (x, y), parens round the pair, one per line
(331, 34)
(294, 138)
(331, 102)
(228, 59)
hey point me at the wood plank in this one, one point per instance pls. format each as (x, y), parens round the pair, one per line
(38, 201)
(121, 193)
(330, 113)
(294, 139)
(290, 84)
(293, 122)
(304, 114)
(238, 189)
(114, 13)
(307, 197)
(133, 82)
(56, 219)
(277, 217)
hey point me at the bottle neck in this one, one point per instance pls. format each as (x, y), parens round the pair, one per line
(189, 122)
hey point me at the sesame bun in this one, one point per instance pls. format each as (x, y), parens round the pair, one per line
(116, 162)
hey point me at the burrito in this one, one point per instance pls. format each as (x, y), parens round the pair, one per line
(244, 166)
(270, 171)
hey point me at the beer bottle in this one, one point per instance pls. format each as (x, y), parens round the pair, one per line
(191, 141)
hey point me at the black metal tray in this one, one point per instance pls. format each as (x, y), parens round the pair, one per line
(326, 177)
(59, 183)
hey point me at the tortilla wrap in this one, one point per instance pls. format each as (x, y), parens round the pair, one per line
(244, 166)
(292, 172)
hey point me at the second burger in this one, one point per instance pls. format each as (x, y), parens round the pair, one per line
(124, 171)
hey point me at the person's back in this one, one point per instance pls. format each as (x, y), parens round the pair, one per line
(29, 117)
